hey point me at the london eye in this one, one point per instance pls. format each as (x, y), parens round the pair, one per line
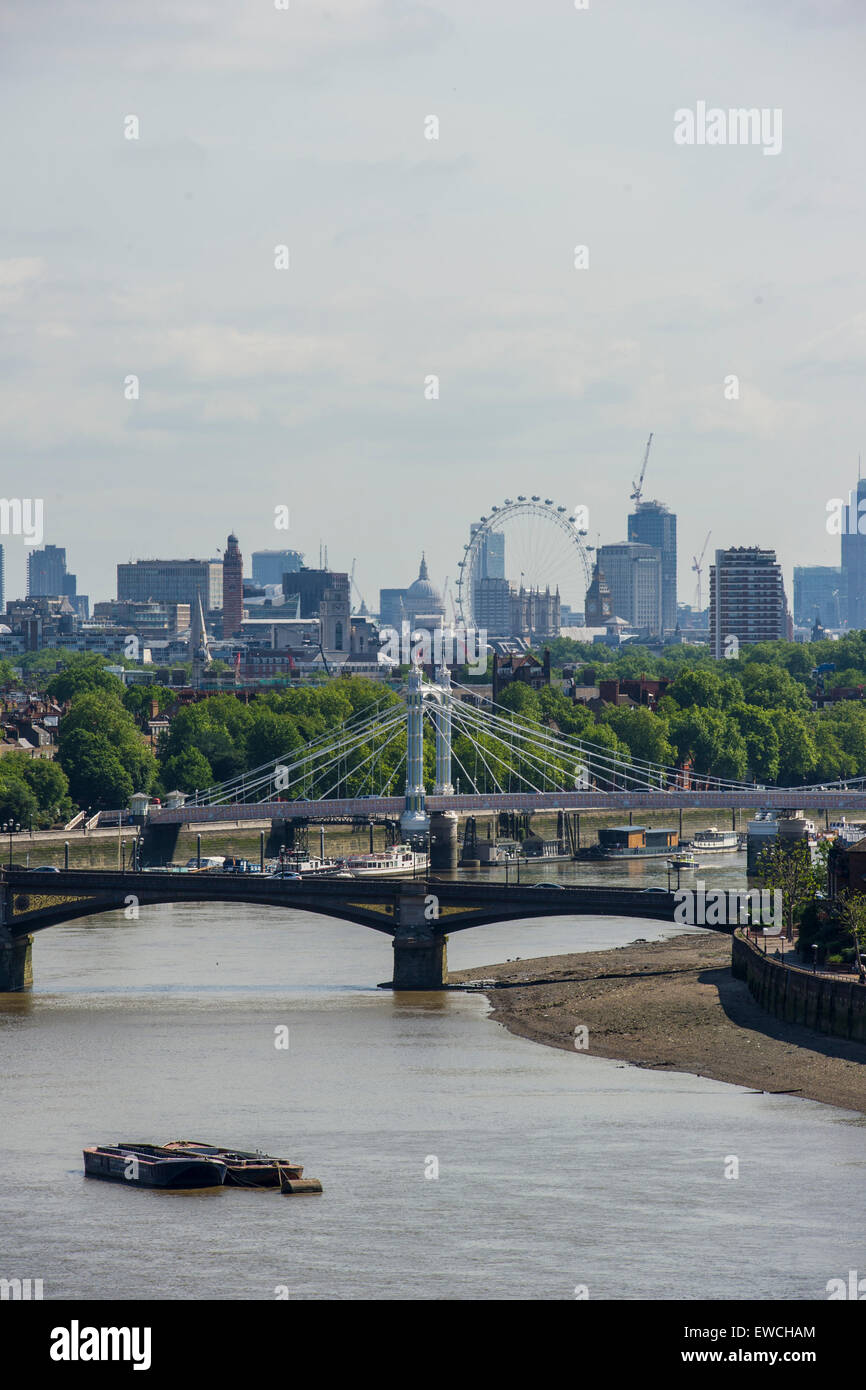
(530, 542)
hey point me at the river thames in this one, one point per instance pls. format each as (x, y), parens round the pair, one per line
(555, 1171)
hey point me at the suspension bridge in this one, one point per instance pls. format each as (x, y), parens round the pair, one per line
(482, 758)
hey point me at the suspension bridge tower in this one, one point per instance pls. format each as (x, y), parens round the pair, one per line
(415, 821)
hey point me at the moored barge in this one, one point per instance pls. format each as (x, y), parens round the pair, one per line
(145, 1165)
(243, 1169)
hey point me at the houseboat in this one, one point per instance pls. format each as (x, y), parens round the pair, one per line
(635, 842)
(715, 841)
(401, 859)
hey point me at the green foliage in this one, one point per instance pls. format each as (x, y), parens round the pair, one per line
(790, 869)
(83, 672)
(99, 733)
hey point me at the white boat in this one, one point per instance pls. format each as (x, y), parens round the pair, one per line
(715, 840)
(306, 864)
(401, 859)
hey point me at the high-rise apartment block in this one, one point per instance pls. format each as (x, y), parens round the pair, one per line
(747, 598)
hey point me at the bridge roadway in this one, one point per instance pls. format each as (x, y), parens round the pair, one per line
(415, 913)
(775, 798)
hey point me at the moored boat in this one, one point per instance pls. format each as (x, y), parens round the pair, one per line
(402, 859)
(243, 1169)
(715, 841)
(145, 1165)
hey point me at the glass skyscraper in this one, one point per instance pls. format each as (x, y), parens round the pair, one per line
(652, 523)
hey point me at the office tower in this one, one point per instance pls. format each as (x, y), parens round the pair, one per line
(492, 606)
(747, 598)
(269, 566)
(46, 571)
(311, 586)
(634, 575)
(392, 609)
(854, 559)
(818, 592)
(652, 523)
(233, 588)
(490, 563)
(172, 581)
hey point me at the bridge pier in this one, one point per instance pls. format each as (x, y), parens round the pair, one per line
(16, 962)
(420, 952)
(158, 844)
(443, 841)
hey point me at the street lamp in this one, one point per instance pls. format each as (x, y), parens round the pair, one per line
(10, 827)
(815, 957)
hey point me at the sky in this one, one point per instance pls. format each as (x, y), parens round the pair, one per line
(306, 127)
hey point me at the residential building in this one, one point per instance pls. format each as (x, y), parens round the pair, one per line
(747, 598)
(46, 572)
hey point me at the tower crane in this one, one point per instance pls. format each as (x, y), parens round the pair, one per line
(353, 584)
(698, 566)
(637, 488)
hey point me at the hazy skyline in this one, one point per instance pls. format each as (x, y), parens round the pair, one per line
(410, 257)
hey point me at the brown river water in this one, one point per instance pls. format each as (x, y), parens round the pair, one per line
(554, 1170)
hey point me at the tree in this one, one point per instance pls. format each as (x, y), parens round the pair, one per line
(188, 771)
(789, 868)
(84, 672)
(771, 687)
(711, 741)
(706, 689)
(761, 739)
(852, 915)
(17, 802)
(96, 774)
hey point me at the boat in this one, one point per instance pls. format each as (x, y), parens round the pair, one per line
(307, 865)
(145, 1165)
(243, 1169)
(401, 859)
(683, 861)
(634, 842)
(715, 841)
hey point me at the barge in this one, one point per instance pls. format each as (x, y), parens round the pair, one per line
(145, 1165)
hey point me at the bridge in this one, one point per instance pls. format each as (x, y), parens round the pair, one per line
(417, 914)
(486, 761)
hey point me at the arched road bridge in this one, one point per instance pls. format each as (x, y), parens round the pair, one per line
(416, 913)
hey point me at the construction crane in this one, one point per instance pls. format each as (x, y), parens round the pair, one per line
(448, 596)
(698, 566)
(637, 488)
(352, 584)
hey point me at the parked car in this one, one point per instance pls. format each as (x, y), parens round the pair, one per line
(45, 869)
(547, 885)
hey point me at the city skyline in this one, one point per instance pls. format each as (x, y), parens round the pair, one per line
(411, 257)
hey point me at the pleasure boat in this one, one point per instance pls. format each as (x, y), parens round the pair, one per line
(401, 859)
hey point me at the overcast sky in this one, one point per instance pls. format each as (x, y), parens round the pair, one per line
(410, 257)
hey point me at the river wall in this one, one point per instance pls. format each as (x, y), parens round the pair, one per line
(830, 1006)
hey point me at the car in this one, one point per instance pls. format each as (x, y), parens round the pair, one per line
(289, 878)
(45, 869)
(654, 890)
(547, 885)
